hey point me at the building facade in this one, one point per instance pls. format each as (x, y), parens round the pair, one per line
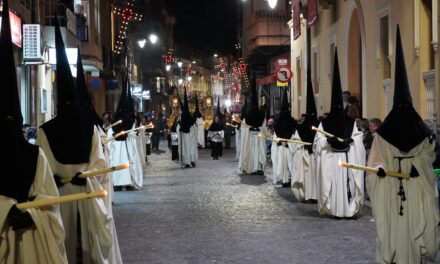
(364, 33)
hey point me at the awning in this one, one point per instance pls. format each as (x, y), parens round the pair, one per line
(266, 80)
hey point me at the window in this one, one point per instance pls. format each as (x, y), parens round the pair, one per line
(27, 4)
(298, 76)
(384, 48)
(315, 68)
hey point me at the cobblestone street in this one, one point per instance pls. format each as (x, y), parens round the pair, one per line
(210, 214)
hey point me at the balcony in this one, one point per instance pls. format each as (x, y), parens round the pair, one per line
(267, 29)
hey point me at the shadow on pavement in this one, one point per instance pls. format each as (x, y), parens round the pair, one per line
(254, 180)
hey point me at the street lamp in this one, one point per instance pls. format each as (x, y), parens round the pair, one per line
(168, 67)
(228, 103)
(180, 64)
(190, 78)
(180, 81)
(153, 38)
(215, 55)
(272, 3)
(142, 43)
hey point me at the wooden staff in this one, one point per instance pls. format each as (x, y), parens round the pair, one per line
(150, 126)
(231, 125)
(61, 199)
(96, 173)
(287, 140)
(326, 133)
(112, 125)
(122, 133)
(374, 170)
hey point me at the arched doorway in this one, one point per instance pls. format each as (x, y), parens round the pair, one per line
(355, 57)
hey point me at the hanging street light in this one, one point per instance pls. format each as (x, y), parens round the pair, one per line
(180, 64)
(142, 43)
(153, 38)
(272, 3)
(168, 67)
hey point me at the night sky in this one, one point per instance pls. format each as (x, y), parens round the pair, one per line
(206, 24)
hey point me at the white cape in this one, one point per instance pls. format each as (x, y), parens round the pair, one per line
(412, 237)
(200, 131)
(332, 179)
(97, 223)
(253, 149)
(122, 152)
(188, 146)
(45, 242)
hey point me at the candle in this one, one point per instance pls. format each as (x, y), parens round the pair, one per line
(61, 199)
(373, 170)
(112, 125)
(325, 133)
(96, 173)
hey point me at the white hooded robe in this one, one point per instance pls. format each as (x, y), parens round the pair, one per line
(253, 149)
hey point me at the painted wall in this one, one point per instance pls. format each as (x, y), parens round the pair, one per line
(334, 26)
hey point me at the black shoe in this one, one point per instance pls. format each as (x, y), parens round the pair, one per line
(117, 188)
(336, 218)
(286, 185)
(129, 188)
(260, 172)
(187, 166)
(193, 164)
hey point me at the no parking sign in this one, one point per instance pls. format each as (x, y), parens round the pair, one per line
(283, 74)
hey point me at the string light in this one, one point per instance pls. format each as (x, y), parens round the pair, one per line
(128, 15)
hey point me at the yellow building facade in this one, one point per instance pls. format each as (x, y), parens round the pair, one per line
(364, 32)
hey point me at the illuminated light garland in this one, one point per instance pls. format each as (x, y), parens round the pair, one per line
(128, 15)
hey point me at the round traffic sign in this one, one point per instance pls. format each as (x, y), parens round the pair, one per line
(283, 74)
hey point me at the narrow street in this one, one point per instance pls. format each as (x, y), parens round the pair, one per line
(210, 214)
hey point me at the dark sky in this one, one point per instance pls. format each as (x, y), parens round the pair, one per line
(205, 24)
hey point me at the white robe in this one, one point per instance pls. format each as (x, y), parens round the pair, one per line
(305, 166)
(106, 181)
(332, 179)
(253, 150)
(237, 143)
(122, 152)
(141, 147)
(200, 132)
(96, 221)
(414, 236)
(188, 146)
(45, 242)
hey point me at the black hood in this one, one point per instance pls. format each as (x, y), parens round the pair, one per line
(403, 127)
(83, 94)
(18, 159)
(125, 111)
(219, 111)
(254, 116)
(197, 113)
(337, 122)
(244, 108)
(186, 119)
(284, 124)
(69, 134)
(311, 119)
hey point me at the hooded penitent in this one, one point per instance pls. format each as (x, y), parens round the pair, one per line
(254, 116)
(186, 120)
(311, 118)
(197, 113)
(125, 110)
(403, 127)
(337, 122)
(284, 124)
(244, 109)
(83, 94)
(18, 159)
(70, 133)
(217, 126)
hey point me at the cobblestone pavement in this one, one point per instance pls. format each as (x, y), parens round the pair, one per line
(209, 214)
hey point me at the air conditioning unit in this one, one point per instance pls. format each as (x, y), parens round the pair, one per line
(32, 43)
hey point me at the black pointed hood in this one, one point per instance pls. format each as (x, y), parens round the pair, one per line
(73, 145)
(254, 116)
(124, 111)
(197, 113)
(284, 124)
(18, 159)
(83, 94)
(186, 119)
(311, 119)
(403, 127)
(337, 122)
(244, 108)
